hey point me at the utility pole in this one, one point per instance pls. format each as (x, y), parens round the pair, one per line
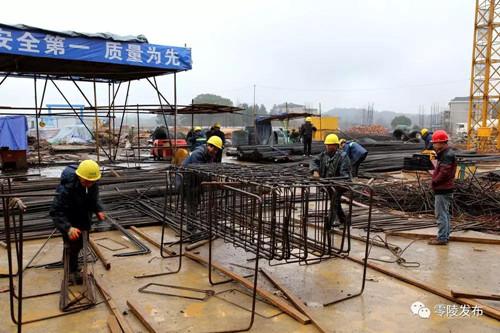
(254, 107)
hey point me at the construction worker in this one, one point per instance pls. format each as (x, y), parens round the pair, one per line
(356, 152)
(306, 133)
(160, 133)
(427, 137)
(294, 136)
(333, 162)
(192, 182)
(206, 153)
(77, 198)
(215, 130)
(131, 134)
(443, 178)
(197, 139)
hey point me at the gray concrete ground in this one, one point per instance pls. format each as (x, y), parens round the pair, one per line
(383, 307)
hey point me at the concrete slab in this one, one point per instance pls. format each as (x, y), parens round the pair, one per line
(383, 307)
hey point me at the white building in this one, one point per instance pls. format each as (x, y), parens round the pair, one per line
(459, 110)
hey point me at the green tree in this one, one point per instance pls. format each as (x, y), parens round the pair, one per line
(400, 120)
(212, 99)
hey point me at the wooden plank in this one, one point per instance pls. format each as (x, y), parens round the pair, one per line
(493, 297)
(276, 301)
(113, 325)
(141, 315)
(97, 250)
(124, 325)
(198, 244)
(294, 300)
(151, 240)
(416, 235)
(487, 310)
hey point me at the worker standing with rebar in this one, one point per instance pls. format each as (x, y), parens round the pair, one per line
(333, 163)
(77, 198)
(443, 185)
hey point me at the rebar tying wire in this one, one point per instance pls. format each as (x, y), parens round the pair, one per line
(395, 251)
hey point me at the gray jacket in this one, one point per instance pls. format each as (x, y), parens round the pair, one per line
(337, 165)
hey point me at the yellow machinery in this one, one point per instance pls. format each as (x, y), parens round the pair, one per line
(325, 126)
(483, 126)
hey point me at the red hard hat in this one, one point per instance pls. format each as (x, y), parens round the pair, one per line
(439, 136)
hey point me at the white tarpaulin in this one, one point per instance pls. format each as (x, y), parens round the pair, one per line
(71, 134)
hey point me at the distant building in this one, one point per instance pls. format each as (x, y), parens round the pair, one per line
(292, 108)
(459, 110)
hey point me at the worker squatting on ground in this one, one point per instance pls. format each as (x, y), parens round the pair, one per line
(333, 162)
(77, 198)
(356, 152)
(443, 178)
(196, 138)
(215, 130)
(306, 133)
(427, 137)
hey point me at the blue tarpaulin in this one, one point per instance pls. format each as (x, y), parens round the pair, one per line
(13, 132)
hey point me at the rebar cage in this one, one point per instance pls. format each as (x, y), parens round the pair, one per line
(299, 214)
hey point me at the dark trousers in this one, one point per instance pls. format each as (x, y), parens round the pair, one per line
(355, 166)
(338, 207)
(307, 146)
(74, 247)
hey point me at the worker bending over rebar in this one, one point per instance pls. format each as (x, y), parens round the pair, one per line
(77, 198)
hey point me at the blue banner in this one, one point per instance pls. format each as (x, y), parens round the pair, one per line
(39, 44)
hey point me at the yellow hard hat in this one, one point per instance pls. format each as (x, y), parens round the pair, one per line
(217, 125)
(197, 128)
(215, 141)
(424, 131)
(89, 170)
(332, 139)
(308, 119)
(341, 141)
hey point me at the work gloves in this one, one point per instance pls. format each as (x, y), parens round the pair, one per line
(74, 233)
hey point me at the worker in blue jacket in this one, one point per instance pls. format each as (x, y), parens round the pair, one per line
(197, 139)
(191, 182)
(205, 153)
(356, 152)
(427, 137)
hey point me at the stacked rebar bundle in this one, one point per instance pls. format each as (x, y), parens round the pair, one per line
(476, 198)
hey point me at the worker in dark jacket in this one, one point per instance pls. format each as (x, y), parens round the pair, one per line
(443, 179)
(356, 152)
(427, 137)
(306, 133)
(215, 130)
(333, 162)
(77, 198)
(160, 133)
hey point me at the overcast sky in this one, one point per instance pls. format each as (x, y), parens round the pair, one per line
(397, 54)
